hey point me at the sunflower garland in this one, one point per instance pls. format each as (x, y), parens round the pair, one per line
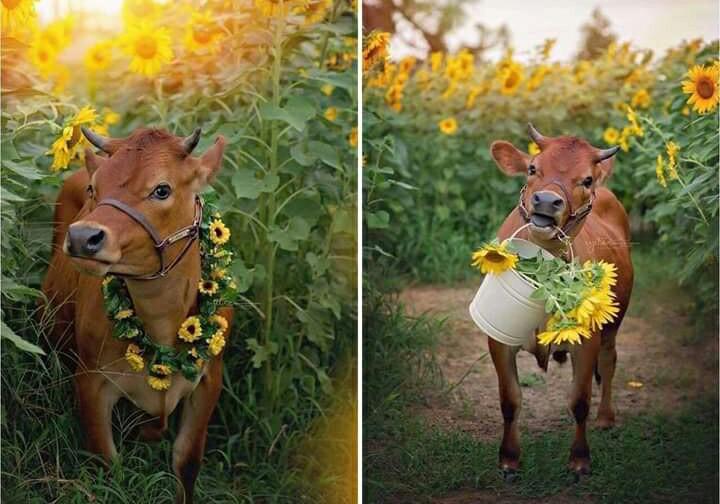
(578, 298)
(201, 336)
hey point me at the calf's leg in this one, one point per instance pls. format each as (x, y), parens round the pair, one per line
(503, 357)
(95, 404)
(189, 445)
(584, 357)
(607, 359)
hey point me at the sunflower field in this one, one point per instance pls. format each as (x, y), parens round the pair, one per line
(433, 194)
(277, 79)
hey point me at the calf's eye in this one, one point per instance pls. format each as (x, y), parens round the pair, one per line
(161, 192)
(587, 182)
(531, 170)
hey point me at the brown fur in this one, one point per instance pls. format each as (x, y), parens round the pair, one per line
(81, 328)
(603, 235)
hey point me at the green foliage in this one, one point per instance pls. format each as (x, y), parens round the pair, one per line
(287, 191)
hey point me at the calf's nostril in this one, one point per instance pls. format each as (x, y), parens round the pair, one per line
(558, 203)
(94, 241)
(535, 199)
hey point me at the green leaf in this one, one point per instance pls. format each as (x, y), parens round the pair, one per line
(246, 185)
(327, 153)
(377, 220)
(22, 344)
(287, 238)
(297, 111)
(25, 171)
(261, 353)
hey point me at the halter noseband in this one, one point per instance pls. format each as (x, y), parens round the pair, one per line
(574, 218)
(190, 233)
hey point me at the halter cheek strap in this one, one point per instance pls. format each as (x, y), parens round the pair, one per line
(190, 233)
(574, 218)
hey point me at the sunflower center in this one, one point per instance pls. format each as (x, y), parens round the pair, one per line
(705, 88)
(99, 57)
(43, 55)
(11, 4)
(202, 35)
(191, 329)
(146, 47)
(494, 257)
(511, 80)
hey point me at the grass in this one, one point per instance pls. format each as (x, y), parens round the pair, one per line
(650, 458)
(43, 459)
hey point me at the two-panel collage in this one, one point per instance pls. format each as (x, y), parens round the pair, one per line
(342, 252)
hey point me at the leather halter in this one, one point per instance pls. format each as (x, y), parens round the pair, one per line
(190, 233)
(574, 218)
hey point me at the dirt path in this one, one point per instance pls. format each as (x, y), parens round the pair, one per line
(649, 352)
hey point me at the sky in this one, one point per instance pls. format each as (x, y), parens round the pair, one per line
(655, 24)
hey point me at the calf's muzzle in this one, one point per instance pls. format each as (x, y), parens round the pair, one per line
(84, 240)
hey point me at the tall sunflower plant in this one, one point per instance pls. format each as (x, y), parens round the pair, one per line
(578, 298)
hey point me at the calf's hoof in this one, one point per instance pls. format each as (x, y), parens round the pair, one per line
(579, 467)
(509, 475)
(605, 420)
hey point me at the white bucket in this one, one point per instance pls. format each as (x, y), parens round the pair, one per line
(502, 307)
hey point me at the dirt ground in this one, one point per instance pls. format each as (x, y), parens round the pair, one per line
(650, 353)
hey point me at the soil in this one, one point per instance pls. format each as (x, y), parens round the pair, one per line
(652, 351)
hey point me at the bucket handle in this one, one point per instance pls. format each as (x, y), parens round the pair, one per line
(565, 239)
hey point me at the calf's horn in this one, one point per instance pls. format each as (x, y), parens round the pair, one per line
(98, 141)
(536, 137)
(603, 154)
(191, 141)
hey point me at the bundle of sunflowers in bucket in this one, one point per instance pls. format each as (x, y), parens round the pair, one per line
(578, 298)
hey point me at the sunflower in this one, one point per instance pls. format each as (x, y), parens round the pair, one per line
(448, 126)
(571, 331)
(275, 8)
(161, 369)
(123, 314)
(641, 99)
(331, 114)
(353, 137)
(202, 34)
(609, 278)
(533, 149)
(60, 151)
(133, 357)
(98, 57)
(436, 60)
(327, 89)
(472, 96)
(159, 383)
(407, 64)
(611, 136)
(510, 79)
(596, 309)
(43, 55)
(315, 10)
(660, 170)
(85, 115)
(110, 117)
(135, 11)
(17, 13)
(148, 46)
(209, 287)
(702, 87)
(190, 330)
(218, 273)
(219, 233)
(216, 344)
(375, 49)
(672, 150)
(220, 321)
(494, 258)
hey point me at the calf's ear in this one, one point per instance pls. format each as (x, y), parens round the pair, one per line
(605, 170)
(92, 161)
(511, 161)
(211, 161)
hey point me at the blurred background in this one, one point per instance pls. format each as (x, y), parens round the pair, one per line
(488, 26)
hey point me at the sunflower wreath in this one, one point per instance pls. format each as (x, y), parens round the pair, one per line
(202, 335)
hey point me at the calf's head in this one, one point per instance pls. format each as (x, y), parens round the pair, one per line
(153, 173)
(561, 179)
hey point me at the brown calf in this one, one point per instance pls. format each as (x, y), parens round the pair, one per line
(153, 173)
(564, 193)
